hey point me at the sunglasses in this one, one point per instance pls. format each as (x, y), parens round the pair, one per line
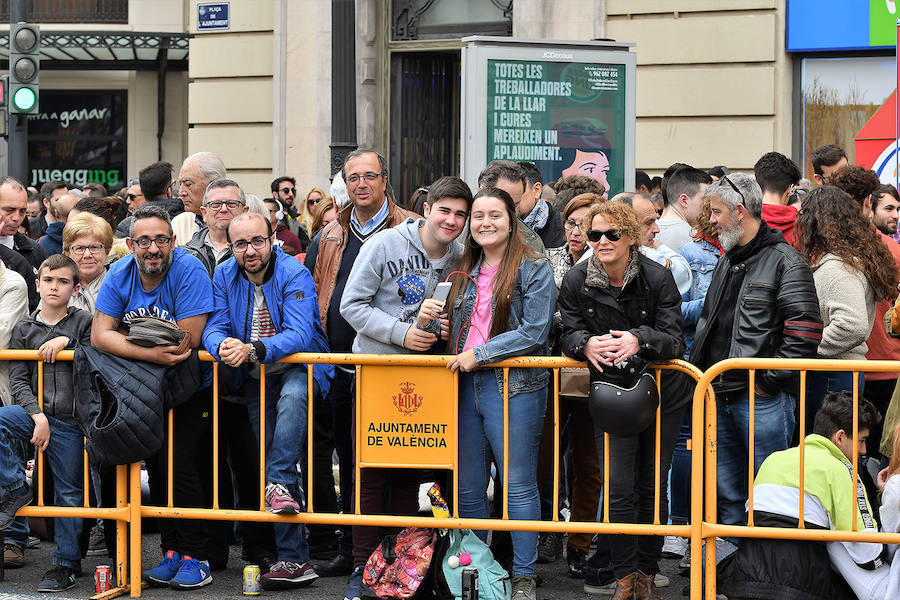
(613, 235)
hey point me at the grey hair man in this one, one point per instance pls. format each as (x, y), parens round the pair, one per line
(197, 171)
(761, 302)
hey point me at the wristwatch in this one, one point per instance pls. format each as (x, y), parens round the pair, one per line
(252, 354)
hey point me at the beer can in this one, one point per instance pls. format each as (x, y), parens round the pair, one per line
(252, 584)
(102, 577)
(470, 584)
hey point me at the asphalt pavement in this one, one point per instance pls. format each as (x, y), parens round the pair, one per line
(20, 584)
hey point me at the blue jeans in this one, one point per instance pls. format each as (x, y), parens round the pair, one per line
(286, 413)
(17, 532)
(481, 436)
(820, 383)
(774, 427)
(64, 454)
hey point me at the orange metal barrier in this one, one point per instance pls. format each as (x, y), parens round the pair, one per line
(709, 528)
(129, 508)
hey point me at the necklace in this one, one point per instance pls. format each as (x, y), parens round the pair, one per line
(487, 264)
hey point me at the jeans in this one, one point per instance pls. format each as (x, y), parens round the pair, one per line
(65, 456)
(17, 532)
(680, 487)
(480, 436)
(632, 493)
(286, 414)
(774, 426)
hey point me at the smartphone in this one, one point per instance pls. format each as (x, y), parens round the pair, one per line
(442, 291)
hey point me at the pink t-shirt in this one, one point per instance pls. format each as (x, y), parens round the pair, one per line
(480, 326)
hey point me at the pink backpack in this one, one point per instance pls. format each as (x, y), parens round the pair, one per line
(401, 563)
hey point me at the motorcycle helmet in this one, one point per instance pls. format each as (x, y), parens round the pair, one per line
(619, 410)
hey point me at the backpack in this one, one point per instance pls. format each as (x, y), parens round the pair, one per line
(494, 582)
(402, 563)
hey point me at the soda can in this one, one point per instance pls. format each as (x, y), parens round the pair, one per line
(470, 584)
(102, 577)
(252, 584)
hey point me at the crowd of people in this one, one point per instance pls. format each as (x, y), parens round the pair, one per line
(697, 265)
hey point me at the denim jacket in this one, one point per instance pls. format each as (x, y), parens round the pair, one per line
(702, 256)
(533, 304)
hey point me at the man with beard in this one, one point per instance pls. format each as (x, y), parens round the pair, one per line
(885, 201)
(160, 280)
(761, 303)
(265, 309)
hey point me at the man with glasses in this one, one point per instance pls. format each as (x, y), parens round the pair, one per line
(266, 309)
(330, 257)
(761, 303)
(284, 189)
(826, 160)
(160, 280)
(223, 201)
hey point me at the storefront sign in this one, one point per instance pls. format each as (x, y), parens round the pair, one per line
(407, 416)
(212, 16)
(79, 137)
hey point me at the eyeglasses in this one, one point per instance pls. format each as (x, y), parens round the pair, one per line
(313, 201)
(613, 235)
(92, 249)
(370, 176)
(144, 242)
(570, 225)
(734, 187)
(240, 246)
(287, 190)
(216, 205)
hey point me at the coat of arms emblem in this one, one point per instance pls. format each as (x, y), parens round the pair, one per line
(407, 401)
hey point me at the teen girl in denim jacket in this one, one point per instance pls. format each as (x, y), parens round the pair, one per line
(515, 295)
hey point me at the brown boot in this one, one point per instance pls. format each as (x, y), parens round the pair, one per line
(625, 588)
(644, 587)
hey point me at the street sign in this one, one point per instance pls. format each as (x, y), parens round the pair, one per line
(212, 16)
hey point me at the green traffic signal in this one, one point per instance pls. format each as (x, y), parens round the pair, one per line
(24, 99)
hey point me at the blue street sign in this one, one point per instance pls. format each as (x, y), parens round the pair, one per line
(212, 16)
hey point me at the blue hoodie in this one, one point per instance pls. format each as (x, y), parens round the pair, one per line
(291, 297)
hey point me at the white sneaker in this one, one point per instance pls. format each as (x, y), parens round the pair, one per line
(674, 546)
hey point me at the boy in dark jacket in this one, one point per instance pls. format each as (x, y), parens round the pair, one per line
(52, 328)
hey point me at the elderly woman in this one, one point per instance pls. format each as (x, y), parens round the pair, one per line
(620, 310)
(87, 239)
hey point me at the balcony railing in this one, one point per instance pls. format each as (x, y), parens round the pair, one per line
(71, 11)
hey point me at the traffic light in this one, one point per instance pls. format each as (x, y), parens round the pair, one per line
(24, 68)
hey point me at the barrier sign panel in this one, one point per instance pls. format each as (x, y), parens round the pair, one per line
(407, 416)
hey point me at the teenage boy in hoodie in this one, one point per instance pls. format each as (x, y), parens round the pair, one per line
(396, 273)
(51, 427)
(777, 175)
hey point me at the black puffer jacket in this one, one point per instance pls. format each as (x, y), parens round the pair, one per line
(776, 313)
(649, 306)
(121, 403)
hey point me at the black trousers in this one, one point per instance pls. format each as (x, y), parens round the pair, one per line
(238, 487)
(324, 496)
(879, 393)
(340, 397)
(631, 494)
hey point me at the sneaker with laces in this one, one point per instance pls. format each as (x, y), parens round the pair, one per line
(10, 504)
(280, 501)
(576, 560)
(191, 574)
(97, 542)
(550, 547)
(354, 584)
(285, 574)
(163, 573)
(524, 588)
(13, 556)
(674, 546)
(57, 579)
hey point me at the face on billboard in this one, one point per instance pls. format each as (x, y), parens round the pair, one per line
(592, 164)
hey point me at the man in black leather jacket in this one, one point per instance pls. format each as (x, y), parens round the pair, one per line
(761, 303)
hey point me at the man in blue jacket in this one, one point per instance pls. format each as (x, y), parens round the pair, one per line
(265, 308)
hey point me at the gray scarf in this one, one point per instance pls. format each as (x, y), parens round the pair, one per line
(596, 273)
(538, 216)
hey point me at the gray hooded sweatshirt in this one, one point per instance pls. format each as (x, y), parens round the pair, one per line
(390, 278)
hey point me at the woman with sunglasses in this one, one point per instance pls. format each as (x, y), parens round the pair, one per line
(620, 310)
(853, 270)
(500, 306)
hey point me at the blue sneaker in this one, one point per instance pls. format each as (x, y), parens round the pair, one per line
(162, 573)
(354, 584)
(192, 574)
